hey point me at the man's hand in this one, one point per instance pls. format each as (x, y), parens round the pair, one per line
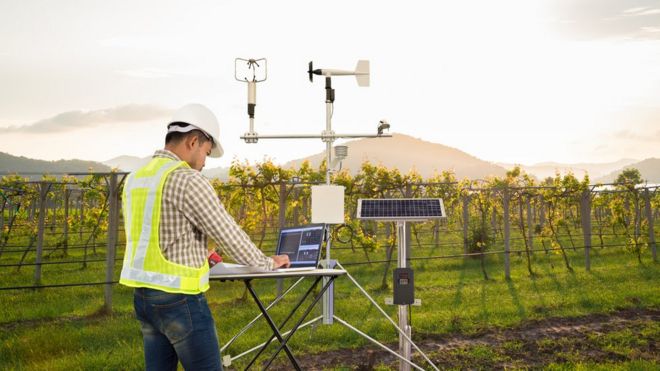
(281, 261)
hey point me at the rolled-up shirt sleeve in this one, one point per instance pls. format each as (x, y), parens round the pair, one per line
(210, 216)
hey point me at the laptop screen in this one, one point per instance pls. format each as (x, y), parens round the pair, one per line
(302, 244)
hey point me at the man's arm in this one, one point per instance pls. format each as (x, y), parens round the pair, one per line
(213, 220)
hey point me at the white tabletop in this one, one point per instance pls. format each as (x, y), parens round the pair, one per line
(275, 274)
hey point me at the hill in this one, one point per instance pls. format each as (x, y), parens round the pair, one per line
(22, 165)
(221, 173)
(127, 163)
(649, 168)
(406, 153)
(130, 163)
(549, 169)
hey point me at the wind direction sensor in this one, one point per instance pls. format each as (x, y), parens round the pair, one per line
(361, 72)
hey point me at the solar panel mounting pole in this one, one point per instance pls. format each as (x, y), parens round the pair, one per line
(402, 262)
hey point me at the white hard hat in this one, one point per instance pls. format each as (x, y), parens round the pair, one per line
(201, 118)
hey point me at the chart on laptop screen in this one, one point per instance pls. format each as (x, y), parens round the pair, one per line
(301, 244)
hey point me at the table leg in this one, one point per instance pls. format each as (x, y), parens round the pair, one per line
(293, 311)
(283, 343)
(276, 331)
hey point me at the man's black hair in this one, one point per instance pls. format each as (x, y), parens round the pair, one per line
(176, 137)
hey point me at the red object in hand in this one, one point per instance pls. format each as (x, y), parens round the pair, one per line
(214, 258)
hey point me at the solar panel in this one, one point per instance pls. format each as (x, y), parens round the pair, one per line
(401, 209)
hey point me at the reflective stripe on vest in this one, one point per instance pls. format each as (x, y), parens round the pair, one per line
(144, 264)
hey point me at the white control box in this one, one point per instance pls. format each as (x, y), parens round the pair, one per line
(328, 204)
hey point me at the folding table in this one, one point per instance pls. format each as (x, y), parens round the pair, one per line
(247, 278)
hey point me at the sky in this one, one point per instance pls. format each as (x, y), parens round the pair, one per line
(507, 81)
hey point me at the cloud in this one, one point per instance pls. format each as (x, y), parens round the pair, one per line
(148, 73)
(641, 11)
(75, 120)
(160, 73)
(634, 10)
(597, 19)
(636, 126)
(651, 29)
(637, 136)
(602, 148)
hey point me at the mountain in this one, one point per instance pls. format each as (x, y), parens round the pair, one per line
(22, 165)
(221, 173)
(405, 153)
(649, 168)
(130, 163)
(127, 163)
(549, 169)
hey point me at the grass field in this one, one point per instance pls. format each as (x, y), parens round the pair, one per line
(64, 328)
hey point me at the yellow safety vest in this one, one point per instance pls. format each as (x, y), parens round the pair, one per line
(144, 263)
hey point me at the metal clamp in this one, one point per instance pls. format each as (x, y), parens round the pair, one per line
(251, 137)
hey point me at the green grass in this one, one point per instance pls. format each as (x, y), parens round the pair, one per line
(638, 365)
(612, 346)
(61, 328)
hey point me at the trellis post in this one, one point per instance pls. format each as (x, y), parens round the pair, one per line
(585, 211)
(111, 251)
(507, 235)
(649, 219)
(43, 194)
(466, 219)
(530, 227)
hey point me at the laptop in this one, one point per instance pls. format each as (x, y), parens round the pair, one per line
(303, 246)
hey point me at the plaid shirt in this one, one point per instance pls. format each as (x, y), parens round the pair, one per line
(190, 213)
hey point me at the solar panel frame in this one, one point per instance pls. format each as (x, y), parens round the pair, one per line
(401, 209)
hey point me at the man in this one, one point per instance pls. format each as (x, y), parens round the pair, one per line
(169, 210)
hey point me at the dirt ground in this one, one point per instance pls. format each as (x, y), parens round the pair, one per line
(615, 337)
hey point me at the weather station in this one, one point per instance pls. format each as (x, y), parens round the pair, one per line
(327, 200)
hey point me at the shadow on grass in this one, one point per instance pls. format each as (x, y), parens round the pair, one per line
(484, 314)
(649, 270)
(458, 295)
(576, 286)
(596, 275)
(516, 300)
(553, 277)
(543, 306)
(455, 321)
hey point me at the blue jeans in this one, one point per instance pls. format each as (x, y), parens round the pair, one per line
(176, 327)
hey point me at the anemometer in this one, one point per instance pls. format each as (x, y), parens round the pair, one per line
(253, 71)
